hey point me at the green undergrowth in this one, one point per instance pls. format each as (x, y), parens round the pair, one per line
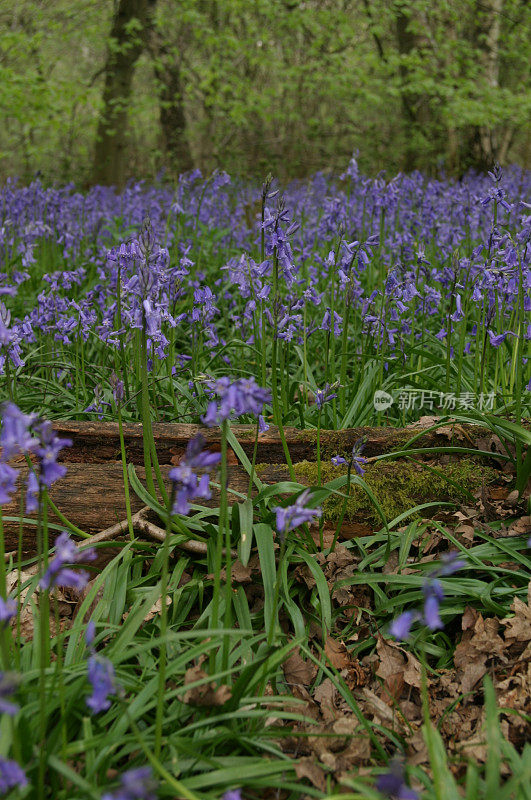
(397, 485)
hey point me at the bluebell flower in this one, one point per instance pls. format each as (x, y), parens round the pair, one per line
(118, 389)
(135, 784)
(90, 633)
(337, 460)
(401, 626)
(323, 396)
(24, 434)
(290, 517)
(16, 437)
(243, 396)
(47, 449)
(433, 596)
(392, 783)
(8, 478)
(357, 459)
(187, 485)
(100, 673)
(58, 574)
(263, 426)
(232, 794)
(8, 684)
(8, 610)
(11, 775)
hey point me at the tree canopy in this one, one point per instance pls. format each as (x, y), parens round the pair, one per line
(93, 91)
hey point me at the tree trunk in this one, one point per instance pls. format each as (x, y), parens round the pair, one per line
(411, 102)
(481, 148)
(167, 69)
(130, 29)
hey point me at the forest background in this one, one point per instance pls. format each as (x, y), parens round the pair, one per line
(96, 91)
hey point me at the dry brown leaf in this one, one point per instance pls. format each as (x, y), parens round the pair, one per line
(298, 671)
(519, 626)
(469, 618)
(466, 532)
(413, 671)
(207, 694)
(155, 609)
(337, 653)
(325, 695)
(380, 708)
(307, 768)
(392, 660)
(358, 752)
(520, 527)
(239, 573)
(475, 648)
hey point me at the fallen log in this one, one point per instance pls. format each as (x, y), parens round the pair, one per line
(91, 495)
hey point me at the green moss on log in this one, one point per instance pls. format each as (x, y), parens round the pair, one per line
(398, 486)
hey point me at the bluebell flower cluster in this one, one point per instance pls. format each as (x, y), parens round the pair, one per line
(234, 398)
(393, 784)
(323, 396)
(298, 513)
(187, 485)
(422, 215)
(11, 776)
(58, 573)
(100, 674)
(135, 784)
(356, 461)
(26, 434)
(433, 596)
(8, 610)
(8, 685)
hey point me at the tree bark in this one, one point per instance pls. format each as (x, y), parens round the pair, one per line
(481, 148)
(411, 102)
(167, 68)
(130, 29)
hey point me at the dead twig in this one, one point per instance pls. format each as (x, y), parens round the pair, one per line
(144, 526)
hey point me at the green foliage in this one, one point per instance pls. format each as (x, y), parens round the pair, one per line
(288, 87)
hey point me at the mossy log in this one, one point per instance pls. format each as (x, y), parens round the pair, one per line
(91, 495)
(99, 441)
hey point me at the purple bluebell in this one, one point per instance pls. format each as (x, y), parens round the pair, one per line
(58, 574)
(90, 633)
(100, 673)
(298, 513)
(8, 684)
(243, 396)
(357, 459)
(401, 626)
(433, 596)
(232, 794)
(11, 775)
(8, 477)
(323, 396)
(48, 447)
(135, 784)
(16, 436)
(337, 460)
(8, 610)
(393, 784)
(263, 426)
(187, 485)
(118, 389)
(497, 339)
